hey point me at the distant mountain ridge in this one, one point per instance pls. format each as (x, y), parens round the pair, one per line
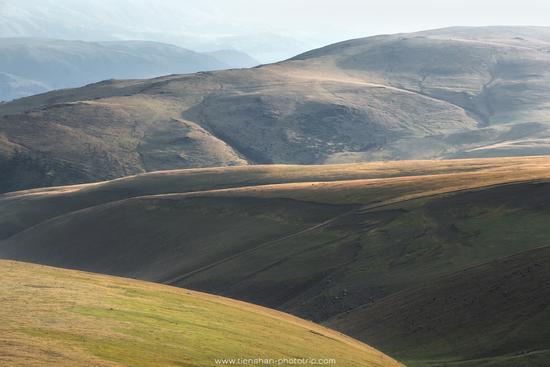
(168, 21)
(32, 65)
(447, 93)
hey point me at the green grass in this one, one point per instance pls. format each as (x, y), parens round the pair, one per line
(53, 317)
(494, 314)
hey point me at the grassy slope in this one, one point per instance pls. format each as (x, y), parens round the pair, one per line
(507, 299)
(368, 254)
(53, 317)
(314, 249)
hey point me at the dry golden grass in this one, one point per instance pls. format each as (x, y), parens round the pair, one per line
(418, 179)
(273, 174)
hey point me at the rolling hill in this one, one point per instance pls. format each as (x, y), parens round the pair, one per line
(53, 317)
(458, 92)
(355, 246)
(35, 65)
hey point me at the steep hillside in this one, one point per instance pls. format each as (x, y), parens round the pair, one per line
(459, 92)
(53, 317)
(329, 245)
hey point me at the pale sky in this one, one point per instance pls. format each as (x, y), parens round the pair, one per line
(337, 19)
(267, 29)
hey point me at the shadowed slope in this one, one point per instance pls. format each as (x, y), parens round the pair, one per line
(506, 300)
(54, 317)
(151, 238)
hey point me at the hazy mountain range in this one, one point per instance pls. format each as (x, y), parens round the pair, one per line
(189, 25)
(32, 65)
(458, 92)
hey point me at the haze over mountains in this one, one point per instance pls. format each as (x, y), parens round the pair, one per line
(35, 65)
(455, 92)
(196, 25)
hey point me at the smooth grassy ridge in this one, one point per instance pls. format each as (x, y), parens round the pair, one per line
(363, 183)
(54, 317)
